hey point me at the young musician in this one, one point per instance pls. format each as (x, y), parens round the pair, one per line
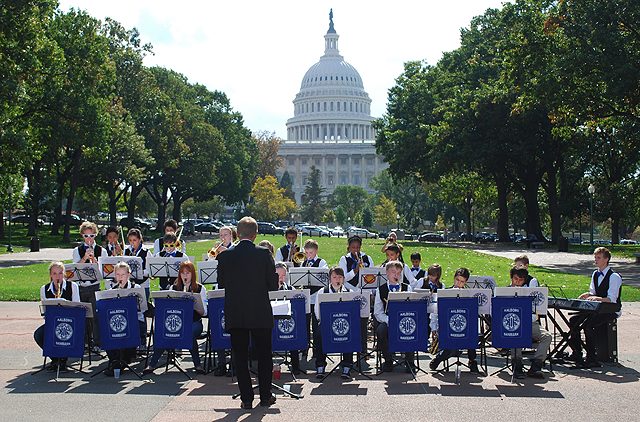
(606, 286)
(459, 282)
(170, 226)
(393, 254)
(186, 282)
(392, 239)
(136, 248)
(524, 261)
(58, 288)
(169, 240)
(336, 277)
(228, 235)
(286, 253)
(122, 273)
(519, 277)
(88, 253)
(417, 272)
(113, 246)
(283, 271)
(432, 281)
(380, 311)
(353, 260)
(311, 251)
(268, 245)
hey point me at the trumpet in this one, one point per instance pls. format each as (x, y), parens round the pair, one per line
(297, 257)
(213, 252)
(178, 242)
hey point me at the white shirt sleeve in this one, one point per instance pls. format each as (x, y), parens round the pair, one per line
(316, 309)
(279, 255)
(615, 282)
(378, 309)
(75, 291)
(205, 301)
(76, 256)
(348, 275)
(156, 247)
(323, 264)
(409, 276)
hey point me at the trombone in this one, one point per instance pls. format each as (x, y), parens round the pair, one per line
(213, 252)
(178, 242)
(297, 257)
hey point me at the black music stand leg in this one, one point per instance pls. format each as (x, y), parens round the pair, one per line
(172, 360)
(273, 385)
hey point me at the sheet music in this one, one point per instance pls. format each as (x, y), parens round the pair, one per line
(281, 309)
(293, 294)
(481, 282)
(107, 266)
(308, 276)
(430, 298)
(119, 293)
(198, 305)
(82, 272)
(208, 271)
(213, 294)
(484, 300)
(539, 296)
(364, 299)
(371, 277)
(166, 266)
(62, 302)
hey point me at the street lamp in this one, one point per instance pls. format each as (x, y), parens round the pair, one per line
(398, 221)
(453, 223)
(10, 192)
(591, 189)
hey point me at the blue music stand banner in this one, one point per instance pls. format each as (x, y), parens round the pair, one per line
(408, 326)
(511, 322)
(458, 323)
(174, 320)
(118, 318)
(220, 339)
(340, 325)
(291, 333)
(64, 332)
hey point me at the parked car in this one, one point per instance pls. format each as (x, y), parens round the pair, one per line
(337, 231)
(188, 228)
(364, 233)
(137, 223)
(628, 242)
(314, 231)
(207, 227)
(430, 237)
(269, 228)
(24, 220)
(483, 237)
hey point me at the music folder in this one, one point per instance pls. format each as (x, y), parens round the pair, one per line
(138, 293)
(107, 266)
(198, 305)
(208, 271)
(539, 296)
(371, 277)
(82, 272)
(293, 294)
(68, 304)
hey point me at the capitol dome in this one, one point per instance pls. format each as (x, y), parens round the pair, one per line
(331, 126)
(332, 102)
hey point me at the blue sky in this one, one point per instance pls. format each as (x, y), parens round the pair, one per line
(257, 52)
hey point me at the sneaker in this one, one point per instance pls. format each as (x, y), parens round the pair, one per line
(220, 371)
(433, 365)
(387, 367)
(346, 372)
(473, 367)
(96, 349)
(53, 367)
(63, 367)
(296, 370)
(320, 373)
(536, 369)
(518, 370)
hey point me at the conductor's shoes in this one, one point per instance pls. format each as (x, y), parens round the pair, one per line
(268, 402)
(433, 365)
(387, 367)
(246, 405)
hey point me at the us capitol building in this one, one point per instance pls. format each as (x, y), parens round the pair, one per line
(331, 128)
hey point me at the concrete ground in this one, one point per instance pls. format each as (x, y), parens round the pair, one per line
(580, 394)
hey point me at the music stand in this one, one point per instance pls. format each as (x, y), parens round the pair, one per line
(64, 333)
(290, 334)
(117, 330)
(301, 277)
(82, 272)
(341, 334)
(107, 267)
(166, 266)
(458, 323)
(218, 338)
(511, 322)
(182, 315)
(371, 278)
(208, 271)
(407, 318)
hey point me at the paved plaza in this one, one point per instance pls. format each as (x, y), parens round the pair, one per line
(586, 395)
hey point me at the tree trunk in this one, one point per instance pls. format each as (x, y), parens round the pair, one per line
(177, 206)
(615, 231)
(503, 219)
(111, 191)
(2, 227)
(131, 209)
(532, 221)
(72, 192)
(34, 182)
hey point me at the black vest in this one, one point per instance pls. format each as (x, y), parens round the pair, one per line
(603, 289)
(315, 264)
(350, 261)
(284, 251)
(196, 316)
(421, 273)
(97, 251)
(384, 293)
(66, 293)
(109, 252)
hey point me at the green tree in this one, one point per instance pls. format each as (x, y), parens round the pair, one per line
(367, 217)
(268, 145)
(341, 215)
(313, 202)
(386, 212)
(287, 184)
(269, 200)
(328, 217)
(351, 198)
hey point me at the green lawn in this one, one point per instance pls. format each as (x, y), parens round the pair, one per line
(24, 283)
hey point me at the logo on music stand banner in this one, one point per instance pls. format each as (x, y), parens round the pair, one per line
(64, 332)
(220, 339)
(340, 325)
(291, 333)
(511, 322)
(458, 322)
(174, 319)
(407, 326)
(118, 323)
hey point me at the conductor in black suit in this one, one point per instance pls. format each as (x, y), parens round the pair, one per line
(247, 273)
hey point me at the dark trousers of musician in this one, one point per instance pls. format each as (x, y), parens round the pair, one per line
(261, 347)
(38, 336)
(383, 344)
(589, 333)
(88, 294)
(321, 357)
(127, 354)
